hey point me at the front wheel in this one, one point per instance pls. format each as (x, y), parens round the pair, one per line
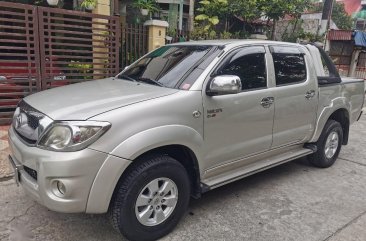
(328, 145)
(150, 200)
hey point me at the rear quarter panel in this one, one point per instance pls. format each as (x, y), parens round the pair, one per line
(348, 95)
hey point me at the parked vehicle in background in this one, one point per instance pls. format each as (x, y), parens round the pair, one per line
(184, 119)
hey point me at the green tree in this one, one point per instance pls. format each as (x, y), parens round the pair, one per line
(210, 11)
(339, 15)
(247, 9)
(276, 9)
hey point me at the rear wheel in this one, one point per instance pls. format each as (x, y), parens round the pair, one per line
(328, 145)
(151, 199)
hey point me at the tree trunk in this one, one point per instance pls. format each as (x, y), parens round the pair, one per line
(225, 25)
(273, 30)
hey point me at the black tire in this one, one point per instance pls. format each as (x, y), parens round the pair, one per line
(122, 208)
(319, 158)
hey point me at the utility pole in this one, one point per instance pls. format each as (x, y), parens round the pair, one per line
(180, 17)
(326, 15)
(191, 15)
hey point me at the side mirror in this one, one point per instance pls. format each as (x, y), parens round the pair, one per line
(2, 78)
(224, 85)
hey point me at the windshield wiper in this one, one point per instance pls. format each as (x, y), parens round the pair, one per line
(151, 81)
(123, 76)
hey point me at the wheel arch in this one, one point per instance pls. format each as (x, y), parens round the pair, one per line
(180, 142)
(340, 115)
(183, 155)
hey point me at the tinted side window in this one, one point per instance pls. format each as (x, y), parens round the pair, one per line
(250, 68)
(289, 68)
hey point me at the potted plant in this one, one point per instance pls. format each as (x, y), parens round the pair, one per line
(52, 3)
(146, 6)
(144, 11)
(89, 4)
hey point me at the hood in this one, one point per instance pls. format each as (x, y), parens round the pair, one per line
(85, 100)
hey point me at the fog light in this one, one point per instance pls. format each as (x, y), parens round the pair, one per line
(61, 187)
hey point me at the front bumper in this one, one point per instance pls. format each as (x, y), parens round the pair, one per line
(76, 170)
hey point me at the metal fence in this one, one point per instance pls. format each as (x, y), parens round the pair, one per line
(41, 48)
(134, 43)
(341, 52)
(361, 66)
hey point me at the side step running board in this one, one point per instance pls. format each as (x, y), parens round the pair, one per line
(311, 146)
(253, 168)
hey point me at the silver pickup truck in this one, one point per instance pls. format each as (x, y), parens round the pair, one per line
(182, 120)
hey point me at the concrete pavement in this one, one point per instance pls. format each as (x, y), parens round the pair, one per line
(294, 201)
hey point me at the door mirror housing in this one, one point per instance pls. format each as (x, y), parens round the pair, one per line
(224, 85)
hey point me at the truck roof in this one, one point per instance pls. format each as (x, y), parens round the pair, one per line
(232, 42)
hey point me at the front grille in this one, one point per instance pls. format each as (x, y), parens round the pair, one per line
(31, 172)
(29, 121)
(33, 121)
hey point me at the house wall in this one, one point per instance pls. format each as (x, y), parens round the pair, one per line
(103, 7)
(287, 27)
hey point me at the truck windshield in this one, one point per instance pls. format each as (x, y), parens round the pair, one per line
(166, 66)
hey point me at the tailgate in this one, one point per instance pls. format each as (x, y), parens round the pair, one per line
(354, 90)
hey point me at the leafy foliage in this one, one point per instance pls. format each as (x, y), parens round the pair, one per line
(300, 34)
(88, 4)
(211, 12)
(276, 9)
(339, 15)
(150, 5)
(83, 69)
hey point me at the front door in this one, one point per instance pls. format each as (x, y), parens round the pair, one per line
(239, 125)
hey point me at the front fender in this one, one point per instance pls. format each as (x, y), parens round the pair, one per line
(121, 156)
(152, 138)
(104, 183)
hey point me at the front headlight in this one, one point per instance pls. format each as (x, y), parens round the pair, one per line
(72, 135)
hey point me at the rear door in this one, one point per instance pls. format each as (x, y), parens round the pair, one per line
(295, 95)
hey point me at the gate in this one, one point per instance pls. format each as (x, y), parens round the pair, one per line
(77, 46)
(41, 48)
(19, 56)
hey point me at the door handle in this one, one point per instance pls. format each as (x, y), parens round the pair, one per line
(267, 102)
(310, 94)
